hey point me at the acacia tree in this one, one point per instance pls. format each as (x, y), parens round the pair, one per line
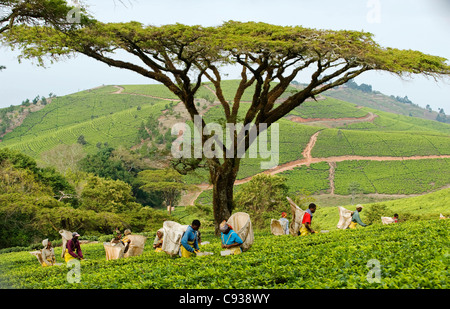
(168, 182)
(181, 57)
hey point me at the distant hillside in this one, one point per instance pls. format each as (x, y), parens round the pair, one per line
(97, 114)
(324, 146)
(382, 102)
(13, 116)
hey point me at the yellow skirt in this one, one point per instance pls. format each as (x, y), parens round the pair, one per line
(304, 231)
(185, 253)
(353, 225)
(67, 256)
(236, 250)
(49, 262)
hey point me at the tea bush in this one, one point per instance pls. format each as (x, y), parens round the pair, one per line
(411, 255)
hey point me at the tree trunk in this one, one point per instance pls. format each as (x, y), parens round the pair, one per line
(223, 183)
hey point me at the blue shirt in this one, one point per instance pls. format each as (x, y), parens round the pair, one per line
(286, 225)
(230, 238)
(357, 219)
(189, 236)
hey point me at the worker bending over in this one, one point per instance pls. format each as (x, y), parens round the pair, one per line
(48, 254)
(230, 239)
(189, 241)
(356, 219)
(126, 241)
(73, 249)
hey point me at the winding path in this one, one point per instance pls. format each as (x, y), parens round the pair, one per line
(308, 159)
(191, 197)
(333, 122)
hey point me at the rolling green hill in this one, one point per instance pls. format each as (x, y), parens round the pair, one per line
(98, 115)
(114, 114)
(379, 101)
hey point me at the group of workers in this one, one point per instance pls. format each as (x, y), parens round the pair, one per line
(306, 228)
(356, 219)
(71, 251)
(125, 241)
(190, 240)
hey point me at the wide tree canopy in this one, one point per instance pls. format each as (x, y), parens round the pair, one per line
(181, 57)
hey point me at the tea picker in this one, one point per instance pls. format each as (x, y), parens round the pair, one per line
(189, 241)
(158, 242)
(356, 219)
(284, 222)
(230, 240)
(73, 249)
(48, 254)
(306, 228)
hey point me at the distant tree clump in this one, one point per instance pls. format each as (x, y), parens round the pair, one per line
(363, 87)
(263, 198)
(168, 182)
(81, 140)
(405, 99)
(37, 202)
(441, 117)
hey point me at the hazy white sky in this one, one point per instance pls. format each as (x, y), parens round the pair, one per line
(406, 24)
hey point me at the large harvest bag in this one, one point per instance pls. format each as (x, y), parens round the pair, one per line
(242, 225)
(38, 255)
(66, 236)
(297, 218)
(276, 227)
(387, 220)
(113, 252)
(116, 251)
(345, 218)
(136, 246)
(173, 232)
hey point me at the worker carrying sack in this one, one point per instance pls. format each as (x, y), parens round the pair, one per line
(173, 232)
(116, 251)
(242, 225)
(136, 245)
(387, 220)
(66, 236)
(345, 218)
(276, 227)
(297, 217)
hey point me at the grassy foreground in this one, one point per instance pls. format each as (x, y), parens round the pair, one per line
(406, 255)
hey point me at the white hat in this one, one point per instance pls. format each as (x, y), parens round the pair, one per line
(45, 243)
(223, 227)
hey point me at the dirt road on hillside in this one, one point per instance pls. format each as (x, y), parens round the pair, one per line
(120, 90)
(308, 159)
(191, 197)
(333, 122)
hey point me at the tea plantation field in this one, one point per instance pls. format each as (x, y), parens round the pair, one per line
(407, 255)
